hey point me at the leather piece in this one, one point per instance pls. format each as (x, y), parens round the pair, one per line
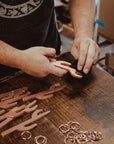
(28, 124)
(16, 112)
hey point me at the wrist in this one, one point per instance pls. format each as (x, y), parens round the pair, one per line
(14, 58)
(17, 58)
(83, 34)
(82, 38)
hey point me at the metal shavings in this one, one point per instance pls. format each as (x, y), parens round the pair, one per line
(73, 135)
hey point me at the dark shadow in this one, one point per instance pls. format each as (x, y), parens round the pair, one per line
(77, 84)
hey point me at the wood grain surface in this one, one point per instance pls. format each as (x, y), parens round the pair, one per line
(88, 101)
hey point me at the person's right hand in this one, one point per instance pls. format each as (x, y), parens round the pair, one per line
(34, 61)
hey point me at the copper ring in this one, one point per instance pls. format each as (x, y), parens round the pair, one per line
(71, 133)
(98, 135)
(81, 138)
(26, 137)
(44, 139)
(91, 142)
(75, 136)
(61, 128)
(68, 140)
(76, 127)
(91, 135)
(94, 135)
(69, 123)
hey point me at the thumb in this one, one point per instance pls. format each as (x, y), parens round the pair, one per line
(49, 52)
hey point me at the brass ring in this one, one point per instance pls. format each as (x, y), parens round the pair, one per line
(64, 128)
(71, 133)
(81, 139)
(24, 135)
(68, 140)
(74, 125)
(37, 138)
(95, 135)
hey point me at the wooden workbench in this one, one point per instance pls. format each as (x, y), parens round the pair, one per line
(88, 101)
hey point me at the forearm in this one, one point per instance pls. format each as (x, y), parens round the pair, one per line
(83, 17)
(9, 55)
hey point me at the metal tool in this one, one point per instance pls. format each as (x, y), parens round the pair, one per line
(66, 66)
(28, 124)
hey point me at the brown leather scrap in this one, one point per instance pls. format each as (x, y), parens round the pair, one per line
(28, 124)
(45, 94)
(16, 112)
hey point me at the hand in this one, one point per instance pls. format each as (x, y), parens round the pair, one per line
(86, 51)
(34, 61)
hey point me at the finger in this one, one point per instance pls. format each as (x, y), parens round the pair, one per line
(96, 58)
(82, 55)
(65, 63)
(75, 51)
(90, 59)
(56, 71)
(97, 55)
(49, 52)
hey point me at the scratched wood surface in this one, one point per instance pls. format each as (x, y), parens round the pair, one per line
(88, 101)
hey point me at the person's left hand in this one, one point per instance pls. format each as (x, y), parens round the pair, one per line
(86, 51)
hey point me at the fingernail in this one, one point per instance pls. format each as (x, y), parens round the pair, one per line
(86, 71)
(80, 68)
